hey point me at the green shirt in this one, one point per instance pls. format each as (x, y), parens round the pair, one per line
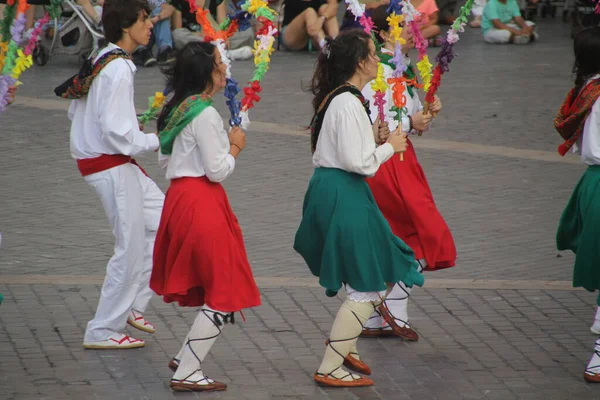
(494, 9)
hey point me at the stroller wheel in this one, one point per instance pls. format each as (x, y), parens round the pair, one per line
(40, 55)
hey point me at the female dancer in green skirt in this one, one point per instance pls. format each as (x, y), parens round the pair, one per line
(343, 236)
(578, 122)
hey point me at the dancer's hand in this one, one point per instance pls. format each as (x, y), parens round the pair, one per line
(398, 141)
(436, 106)
(237, 139)
(421, 121)
(381, 131)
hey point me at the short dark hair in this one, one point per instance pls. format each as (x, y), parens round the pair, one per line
(118, 15)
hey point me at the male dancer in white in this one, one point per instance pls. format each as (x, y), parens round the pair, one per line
(104, 136)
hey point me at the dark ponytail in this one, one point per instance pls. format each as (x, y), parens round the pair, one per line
(587, 56)
(338, 62)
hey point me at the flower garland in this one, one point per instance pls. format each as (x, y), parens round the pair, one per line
(394, 20)
(263, 47)
(423, 65)
(446, 54)
(379, 85)
(15, 55)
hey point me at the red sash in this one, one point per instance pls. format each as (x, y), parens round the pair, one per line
(88, 166)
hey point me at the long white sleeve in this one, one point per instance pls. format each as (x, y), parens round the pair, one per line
(213, 143)
(346, 139)
(356, 146)
(116, 114)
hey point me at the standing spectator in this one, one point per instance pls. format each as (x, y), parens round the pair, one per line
(187, 29)
(502, 23)
(308, 20)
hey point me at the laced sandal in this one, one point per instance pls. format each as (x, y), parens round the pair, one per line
(354, 363)
(590, 376)
(406, 332)
(185, 385)
(332, 381)
(116, 342)
(376, 333)
(138, 321)
(174, 364)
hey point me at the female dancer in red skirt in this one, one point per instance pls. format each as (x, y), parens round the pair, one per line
(402, 193)
(199, 257)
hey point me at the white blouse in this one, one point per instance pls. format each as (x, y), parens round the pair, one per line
(413, 104)
(588, 145)
(201, 148)
(346, 139)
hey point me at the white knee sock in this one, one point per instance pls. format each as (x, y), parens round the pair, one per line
(182, 349)
(596, 326)
(205, 331)
(345, 331)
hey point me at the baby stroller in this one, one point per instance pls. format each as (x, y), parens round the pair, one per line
(74, 33)
(583, 16)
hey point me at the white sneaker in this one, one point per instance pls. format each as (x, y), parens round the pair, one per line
(521, 39)
(243, 53)
(138, 321)
(118, 341)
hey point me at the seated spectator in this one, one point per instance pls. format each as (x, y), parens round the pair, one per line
(240, 44)
(429, 17)
(160, 16)
(307, 23)
(477, 10)
(187, 29)
(502, 23)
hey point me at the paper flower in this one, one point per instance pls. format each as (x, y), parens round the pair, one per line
(424, 67)
(21, 64)
(395, 7)
(445, 56)
(231, 91)
(5, 83)
(35, 34)
(251, 95)
(367, 23)
(380, 103)
(398, 91)
(356, 8)
(17, 29)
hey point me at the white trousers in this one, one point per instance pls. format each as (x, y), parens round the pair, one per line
(133, 204)
(502, 36)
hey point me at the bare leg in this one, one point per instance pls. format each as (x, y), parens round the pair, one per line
(299, 31)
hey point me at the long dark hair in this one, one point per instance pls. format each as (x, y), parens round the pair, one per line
(338, 62)
(587, 56)
(190, 74)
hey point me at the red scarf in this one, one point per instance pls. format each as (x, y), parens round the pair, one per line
(572, 114)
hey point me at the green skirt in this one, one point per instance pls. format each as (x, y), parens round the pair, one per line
(579, 230)
(344, 238)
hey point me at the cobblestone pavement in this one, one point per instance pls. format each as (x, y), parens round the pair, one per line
(503, 324)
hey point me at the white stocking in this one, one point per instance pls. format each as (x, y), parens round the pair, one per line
(205, 331)
(346, 328)
(397, 304)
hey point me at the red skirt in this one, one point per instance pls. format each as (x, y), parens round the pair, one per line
(403, 195)
(199, 253)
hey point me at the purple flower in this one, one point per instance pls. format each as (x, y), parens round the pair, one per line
(445, 56)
